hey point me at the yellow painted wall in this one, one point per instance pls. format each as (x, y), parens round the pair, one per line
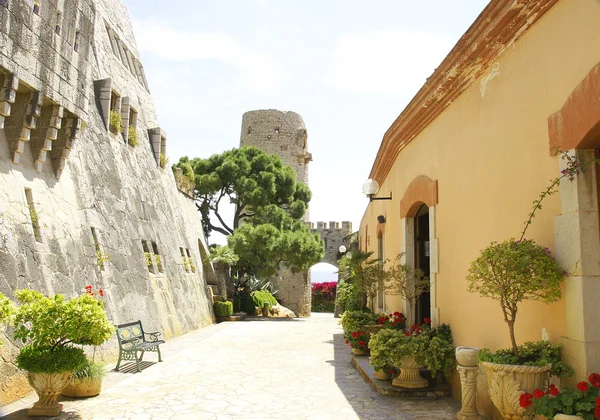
(489, 152)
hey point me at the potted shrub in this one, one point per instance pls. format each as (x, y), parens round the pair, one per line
(380, 350)
(511, 272)
(568, 403)
(49, 328)
(86, 380)
(223, 309)
(354, 320)
(420, 347)
(359, 341)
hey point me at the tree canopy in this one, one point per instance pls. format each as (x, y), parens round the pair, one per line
(268, 200)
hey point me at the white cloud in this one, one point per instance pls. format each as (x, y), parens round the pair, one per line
(254, 70)
(387, 61)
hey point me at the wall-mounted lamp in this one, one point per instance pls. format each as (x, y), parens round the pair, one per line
(371, 187)
(342, 249)
(381, 219)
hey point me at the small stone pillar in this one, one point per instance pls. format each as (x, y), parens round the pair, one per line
(468, 371)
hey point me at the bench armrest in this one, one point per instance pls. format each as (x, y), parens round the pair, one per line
(153, 336)
(130, 344)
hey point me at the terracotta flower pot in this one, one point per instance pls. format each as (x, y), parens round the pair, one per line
(410, 375)
(83, 387)
(359, 352)
(48, 386)
(506, 384)
(381, 375)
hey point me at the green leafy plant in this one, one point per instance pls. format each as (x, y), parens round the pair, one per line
(7, 310)
(158, 262)
(186, 266)
(247, 304)
(148, 257)
(191, 264)
(261, 297)
(354, 320)
(90, 369)
(164, 160)
(116, 121)
(431, 348)
(532, 353)
(50, 326)
(47, 360)
(222, 254)
(380, 350)
(582, 401)
(513, 271)
(359, 276)
(132, 136)
(102, 259)
(34, 217)
(358, 340)
(223, 308)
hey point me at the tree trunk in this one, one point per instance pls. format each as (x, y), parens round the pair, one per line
(511, 329)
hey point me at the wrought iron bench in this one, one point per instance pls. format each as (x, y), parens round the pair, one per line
(132, 340)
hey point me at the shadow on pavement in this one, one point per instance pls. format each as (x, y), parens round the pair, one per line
(131, 368)
(22, 415)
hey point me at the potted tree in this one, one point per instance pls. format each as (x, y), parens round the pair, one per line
(406, 281)
(511, 272)
(50, 328)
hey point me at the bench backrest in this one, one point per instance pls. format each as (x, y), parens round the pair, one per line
(130, 331)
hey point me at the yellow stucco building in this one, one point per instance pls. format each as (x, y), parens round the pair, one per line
(467, 157)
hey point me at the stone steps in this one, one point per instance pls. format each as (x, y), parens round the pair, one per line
(437, 390)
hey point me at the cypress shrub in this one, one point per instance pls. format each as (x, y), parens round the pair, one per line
(261, 296)
(223, 308)
(247, 305)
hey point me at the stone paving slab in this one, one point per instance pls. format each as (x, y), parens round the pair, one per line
(286, 369)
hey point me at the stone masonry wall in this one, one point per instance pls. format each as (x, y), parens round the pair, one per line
(333, 237)
(283, 133)
(63, 64)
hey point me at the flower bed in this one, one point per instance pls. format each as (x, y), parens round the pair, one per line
(323, 296)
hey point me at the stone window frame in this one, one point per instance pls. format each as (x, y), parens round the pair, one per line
(33, 214)
(36, 7)
(76, 40)
(126, 56)
(148, 256)
(157, 257)
(59, 23)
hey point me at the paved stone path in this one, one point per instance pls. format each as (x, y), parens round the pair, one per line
(285, 369)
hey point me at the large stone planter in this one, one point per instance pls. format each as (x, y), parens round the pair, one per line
(48, 386)
(372, 329)
(83, 387)
(410, 375)
(566, 417)
(506, 384)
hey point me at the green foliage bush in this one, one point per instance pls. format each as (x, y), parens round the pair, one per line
(247, 305)
(223, 308)
(532, 353)
(55, 321)
(380, 350)
(47, 360)
(431, 348)
(132, 136)
(90, 369)
(116, 121)
(260, 297)
(354, 320)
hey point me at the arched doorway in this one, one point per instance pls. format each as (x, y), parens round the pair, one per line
(324, 278)
(422, 260)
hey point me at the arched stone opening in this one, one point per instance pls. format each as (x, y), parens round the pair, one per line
(419, 242)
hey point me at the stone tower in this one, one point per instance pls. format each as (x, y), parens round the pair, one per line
(283, 133)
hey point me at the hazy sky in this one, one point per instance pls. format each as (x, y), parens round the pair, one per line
(348, 67)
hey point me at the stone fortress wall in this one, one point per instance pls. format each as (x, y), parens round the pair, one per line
(71, 190)
(284, 134)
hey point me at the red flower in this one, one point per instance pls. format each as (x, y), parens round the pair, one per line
(362, 343)
(390, 372)
(538, 393)
(583, 386)
(553, 390)
(351, 345)
(525, 400)
(101, 292)
(597, 412)
(419, 330)
(595, 380)
(346, 341)
(427, 320)
(407, 333)
(397, 313)
(88, 288)
(597, 402)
